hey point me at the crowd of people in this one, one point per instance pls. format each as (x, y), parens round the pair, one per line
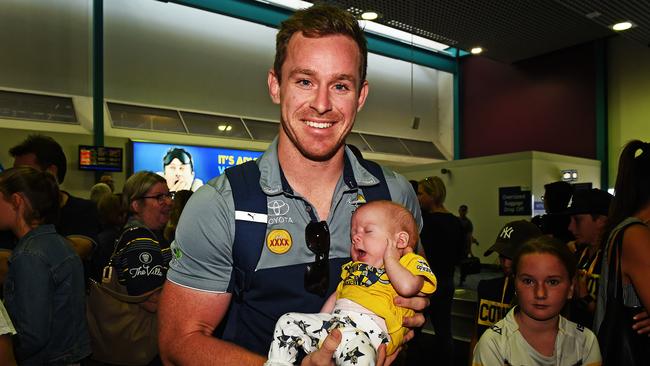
(310, 254)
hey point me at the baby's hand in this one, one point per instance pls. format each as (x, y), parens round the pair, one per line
(391, 252)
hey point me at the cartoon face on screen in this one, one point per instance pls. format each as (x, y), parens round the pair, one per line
(179, 170)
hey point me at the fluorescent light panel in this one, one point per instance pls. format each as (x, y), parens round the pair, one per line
(372, 27)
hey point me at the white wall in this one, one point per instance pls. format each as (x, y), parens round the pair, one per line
(476, 182)
(163, 54)
(547, 168)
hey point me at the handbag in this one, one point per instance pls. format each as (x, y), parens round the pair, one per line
(619, 343)
(121, 331)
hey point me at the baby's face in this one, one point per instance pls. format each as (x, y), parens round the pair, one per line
(370, 235)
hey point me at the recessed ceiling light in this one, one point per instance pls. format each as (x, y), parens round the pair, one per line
(476, 50)
(622, 26)
(224, 127)
(371, 27)
(369, 15)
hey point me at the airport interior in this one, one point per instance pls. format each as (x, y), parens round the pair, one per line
(496, 99)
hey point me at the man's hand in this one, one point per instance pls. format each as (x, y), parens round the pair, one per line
(642, 323)
(581, 289)
(324, 356)
(178, 185)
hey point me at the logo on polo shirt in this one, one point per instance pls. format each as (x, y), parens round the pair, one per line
(356, 201)
(277, 211)
(278, 208)
(278, 241)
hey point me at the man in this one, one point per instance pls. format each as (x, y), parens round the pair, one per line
(78, 220)
(555, 221)
(588, 213)
(107, 179)
(307, 175)
(179, 171)
(495, 296)
(468, 229)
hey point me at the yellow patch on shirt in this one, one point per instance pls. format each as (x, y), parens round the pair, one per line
(279, 241)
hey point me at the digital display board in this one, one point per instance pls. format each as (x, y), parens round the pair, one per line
(186, 166)
(100, 158)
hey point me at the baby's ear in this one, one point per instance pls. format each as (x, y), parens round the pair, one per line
(402, 239)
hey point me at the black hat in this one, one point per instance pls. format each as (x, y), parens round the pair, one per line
(590, 201)
(512, 236)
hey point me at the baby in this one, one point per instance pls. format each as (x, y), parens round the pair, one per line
(383, 266)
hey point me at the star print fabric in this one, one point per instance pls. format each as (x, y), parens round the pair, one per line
(360, 337)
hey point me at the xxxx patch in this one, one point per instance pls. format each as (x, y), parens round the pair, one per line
(278, 241)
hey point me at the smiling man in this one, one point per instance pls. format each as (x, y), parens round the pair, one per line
(239, 261)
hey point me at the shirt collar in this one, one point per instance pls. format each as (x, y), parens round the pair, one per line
(39, 230)
(273, 182)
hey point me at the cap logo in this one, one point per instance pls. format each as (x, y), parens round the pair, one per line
(506, 232)
(279, 241)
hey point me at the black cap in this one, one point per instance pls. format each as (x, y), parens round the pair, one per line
(590, 201)
(513, 235)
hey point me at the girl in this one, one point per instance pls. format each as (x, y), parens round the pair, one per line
(626, 245)
(44, 290)
(534, 332)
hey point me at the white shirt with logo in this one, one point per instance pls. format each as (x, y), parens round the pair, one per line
(503, 344)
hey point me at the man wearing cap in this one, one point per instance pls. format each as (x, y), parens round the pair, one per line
(178, 170)
(495, 295)
(588, 211)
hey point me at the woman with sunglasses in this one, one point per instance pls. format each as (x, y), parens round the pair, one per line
(140, 260)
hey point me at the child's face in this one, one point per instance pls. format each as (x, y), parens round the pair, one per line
(543, 286)
(370, 236)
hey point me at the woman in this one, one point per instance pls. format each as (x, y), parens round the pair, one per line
(628, 219)
(443, 240)
(44, 289)
(534, 333)
(139, 264)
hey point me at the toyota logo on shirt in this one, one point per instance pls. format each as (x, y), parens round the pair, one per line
(278, 208)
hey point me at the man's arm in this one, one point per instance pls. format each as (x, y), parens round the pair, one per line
(186, 320)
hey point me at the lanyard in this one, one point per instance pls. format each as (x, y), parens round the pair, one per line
(592, 264)
(505, 287)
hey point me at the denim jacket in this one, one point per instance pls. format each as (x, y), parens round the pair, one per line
(45, 298)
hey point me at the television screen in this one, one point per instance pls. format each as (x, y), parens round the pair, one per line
(100, 158)
(186, 166)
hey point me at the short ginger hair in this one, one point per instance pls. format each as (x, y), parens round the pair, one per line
(400, 218)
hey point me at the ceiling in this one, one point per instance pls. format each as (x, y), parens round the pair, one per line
(510, 30)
